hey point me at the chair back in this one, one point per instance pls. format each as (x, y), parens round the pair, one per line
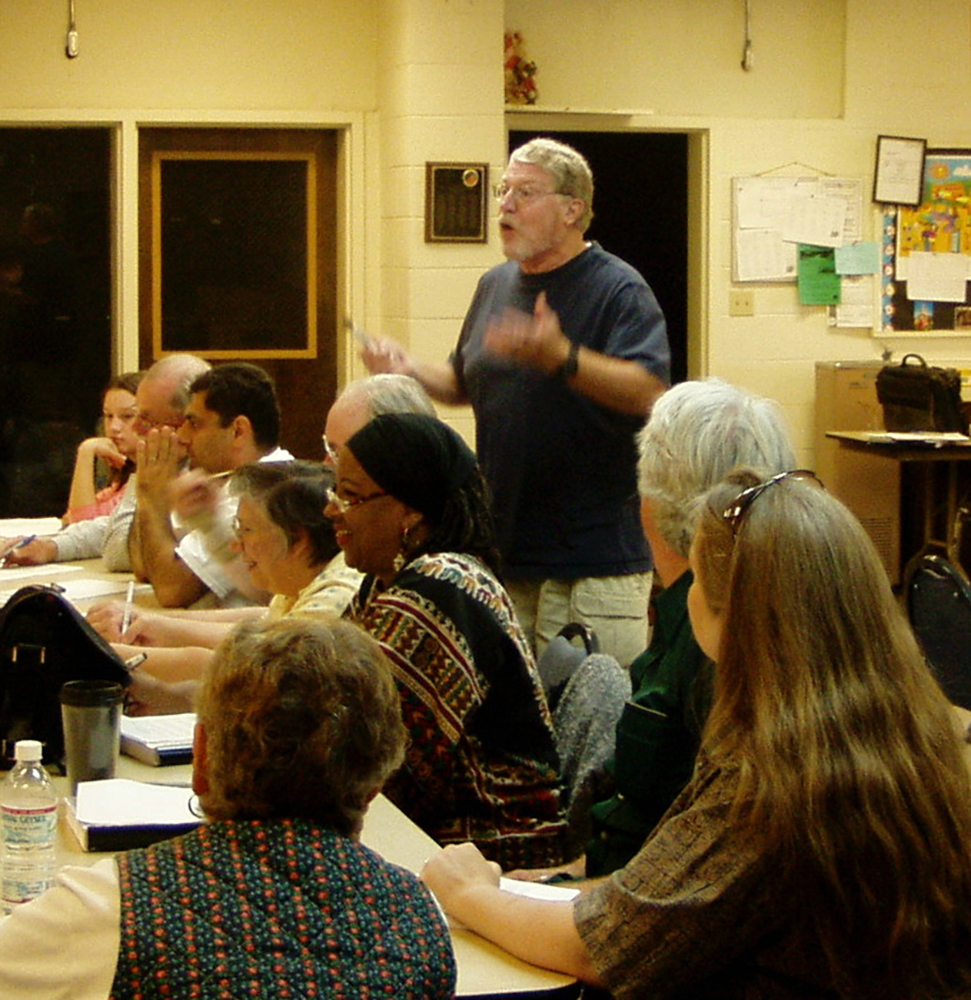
(585, 720)
(562, 656)
(939, 608)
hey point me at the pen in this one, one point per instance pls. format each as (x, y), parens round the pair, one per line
(359, 335)
(126, 617)
(16, 545)
(134, 661)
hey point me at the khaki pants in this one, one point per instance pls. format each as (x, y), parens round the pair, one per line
(615, 607)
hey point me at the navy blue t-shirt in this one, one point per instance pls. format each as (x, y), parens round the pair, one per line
(561, 468)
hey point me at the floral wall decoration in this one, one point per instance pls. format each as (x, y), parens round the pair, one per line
(520, 73)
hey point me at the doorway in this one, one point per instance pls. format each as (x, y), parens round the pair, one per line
(243, 290)
(641, 213)
(55, 308)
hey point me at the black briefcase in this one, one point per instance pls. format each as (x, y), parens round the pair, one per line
(45, 641)
(916, 396)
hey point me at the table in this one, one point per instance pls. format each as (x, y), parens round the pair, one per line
(84, 581)
(484, 969)
(926, 458)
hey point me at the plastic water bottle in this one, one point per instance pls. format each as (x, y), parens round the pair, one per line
(28, 827)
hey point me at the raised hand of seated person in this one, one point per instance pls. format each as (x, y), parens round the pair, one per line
(194, 497)
(34, 553)
(101, 447)
(157, 461)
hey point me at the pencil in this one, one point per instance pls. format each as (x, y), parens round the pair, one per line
(129, 597)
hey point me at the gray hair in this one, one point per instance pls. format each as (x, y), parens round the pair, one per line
(569, 169)
(698, 432)
(389, 393)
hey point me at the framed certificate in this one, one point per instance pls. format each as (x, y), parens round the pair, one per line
(899, 170)
(456, 202)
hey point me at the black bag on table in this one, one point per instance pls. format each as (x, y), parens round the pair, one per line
(920, 397)
(45, 641)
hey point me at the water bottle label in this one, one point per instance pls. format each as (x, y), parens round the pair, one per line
(29, 827)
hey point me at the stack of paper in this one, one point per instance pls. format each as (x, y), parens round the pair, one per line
(117, 814)
(159, 739)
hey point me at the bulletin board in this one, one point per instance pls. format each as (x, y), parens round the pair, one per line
(927, 253)
(772, 215)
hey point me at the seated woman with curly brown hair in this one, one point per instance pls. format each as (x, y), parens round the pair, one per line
(299, 726)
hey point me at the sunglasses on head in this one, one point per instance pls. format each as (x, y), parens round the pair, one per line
(735, 512)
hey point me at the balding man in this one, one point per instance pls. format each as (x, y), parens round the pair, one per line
(367, 398)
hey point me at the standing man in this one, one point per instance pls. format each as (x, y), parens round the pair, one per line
(561, 355)
(183, 527)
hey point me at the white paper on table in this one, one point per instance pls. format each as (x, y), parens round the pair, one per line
(73, 590)
(12, 527)
(122, 802)
(14, 573)
(559, 891)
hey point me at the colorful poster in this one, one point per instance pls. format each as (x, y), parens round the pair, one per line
(927, 251)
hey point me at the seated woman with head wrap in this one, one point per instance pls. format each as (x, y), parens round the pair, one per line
(299, 725)
(410, 511)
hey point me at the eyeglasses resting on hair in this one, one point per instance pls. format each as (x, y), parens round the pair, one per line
(737, 509)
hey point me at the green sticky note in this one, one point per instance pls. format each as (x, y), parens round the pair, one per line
(819, 284)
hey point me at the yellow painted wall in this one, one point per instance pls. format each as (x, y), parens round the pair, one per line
(417, 80)
(192, 55)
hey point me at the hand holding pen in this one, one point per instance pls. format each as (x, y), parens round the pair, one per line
(27, 550)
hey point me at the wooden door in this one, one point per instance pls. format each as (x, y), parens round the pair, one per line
(238, 259)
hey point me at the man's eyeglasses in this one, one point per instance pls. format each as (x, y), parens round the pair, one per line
(344, 505)
(330, 452)
(239, 530)
(154, 425)
(735, 512)
(520, 195)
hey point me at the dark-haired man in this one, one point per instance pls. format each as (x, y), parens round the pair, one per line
(180, 542)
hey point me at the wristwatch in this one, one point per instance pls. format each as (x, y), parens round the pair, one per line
(569, 367)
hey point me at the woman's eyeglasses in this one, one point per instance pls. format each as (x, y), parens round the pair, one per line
(344, 505)
(735, 512)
